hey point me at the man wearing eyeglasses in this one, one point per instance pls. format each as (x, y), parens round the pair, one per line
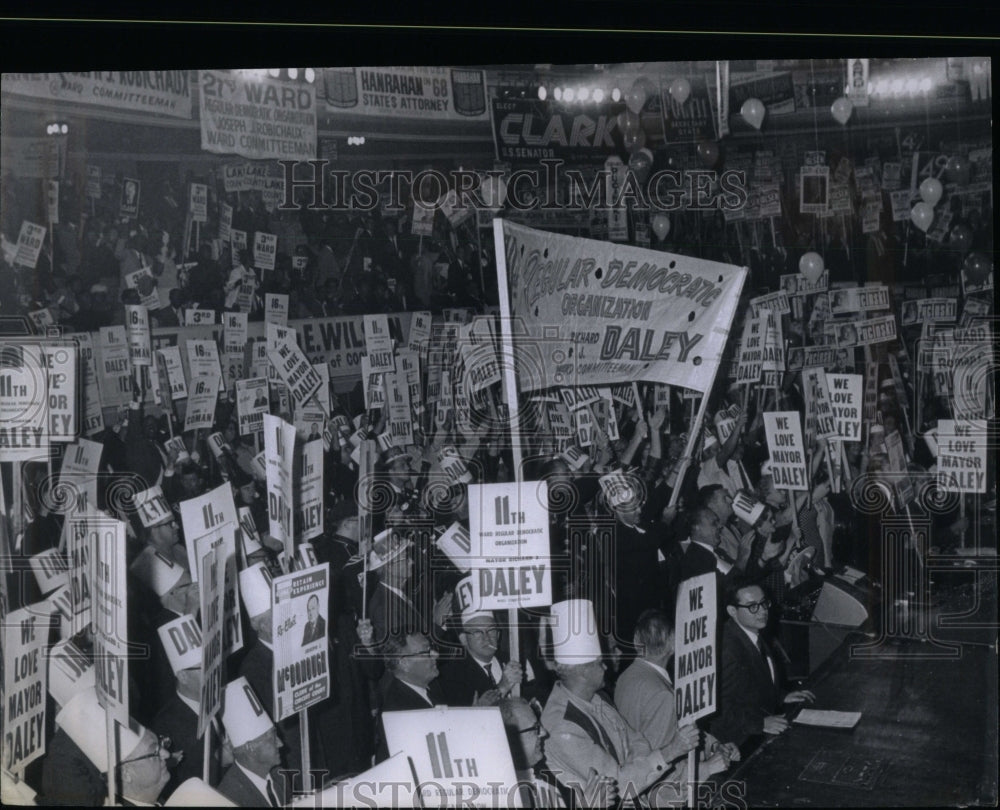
(412, 661)
(479, 678)
(751, 698)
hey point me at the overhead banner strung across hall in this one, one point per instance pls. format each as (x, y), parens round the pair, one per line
(628, 314)
(167, 92)
(256, 117)
(441, 93)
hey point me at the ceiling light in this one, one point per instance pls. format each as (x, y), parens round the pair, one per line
(616, 95)
(310, 75)
(542, 93)
(569, 94)
(558, 93)
(598, 95)
(274, 73)
(293, 73)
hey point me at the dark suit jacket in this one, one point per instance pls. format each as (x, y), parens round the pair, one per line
(318, 632)
(68, 777)
(747, 694)
(463, 678)
(177, 721)
(238, 789)
(399, 697)
(698, 560)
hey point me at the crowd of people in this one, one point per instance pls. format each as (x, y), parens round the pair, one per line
(590, 720)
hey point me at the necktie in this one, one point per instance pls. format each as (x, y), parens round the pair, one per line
(763, 653)
(489, 673)
(271, 796)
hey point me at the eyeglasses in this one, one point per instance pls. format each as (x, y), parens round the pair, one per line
(428, 651)
(537, 728)
(163, 745)
(754, 607)
(492, 632)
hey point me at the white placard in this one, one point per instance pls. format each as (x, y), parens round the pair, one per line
(695, 655)
(961, 461)
(786, 450)
(509, 524)
(845, 401)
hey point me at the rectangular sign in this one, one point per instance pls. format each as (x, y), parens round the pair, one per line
(695, 654)
(786, 450)
(859, 299)
(509, 528)
(845, 401)
(929, 309)
(961, 461)
(106, 538)
(309, 520)
(852, 334)
(211, 590)
(279, 446)
(438, 93)
(301, 675)
(256, 117)
(24, 412)
(26, 668)
(163, 92)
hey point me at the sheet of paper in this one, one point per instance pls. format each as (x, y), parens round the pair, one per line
(828, 719)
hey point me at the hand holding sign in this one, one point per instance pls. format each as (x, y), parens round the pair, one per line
(512, 675)
(600, 791)
(366, 632)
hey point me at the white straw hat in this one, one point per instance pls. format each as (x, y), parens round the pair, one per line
(83, 719)
(70, 672)
(156, 572)
(195, 793)
(255, 588)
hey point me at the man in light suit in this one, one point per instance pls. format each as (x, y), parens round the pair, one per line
(644, 695)
(750, 695)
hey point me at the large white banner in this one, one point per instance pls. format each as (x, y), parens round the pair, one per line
(598, 313)
(25, 642)
(256, 117)
(165, 92)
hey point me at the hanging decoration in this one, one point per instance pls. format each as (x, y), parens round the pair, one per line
(842, 109)
(753, 112)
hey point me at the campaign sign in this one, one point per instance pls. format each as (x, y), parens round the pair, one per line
(222, 536)
(29, 244)
(784, 445)
(461, 756)
(211, 588)
(310, 480)
(859, 299)
(265, 249)
(845, 401)
(106, 538)
(961, 462)
(25, 640)
(201, 403)
(819, 415)
(92, 415)
(251, 405)
(203, 515)
(137, 328)
(388, 784)
(172, 370)
(295, 371)
(198, 204)
(24, 412)
(279, 445)
(301, 675)
(695, 653)
(152, 507)
(60, 363)
(276, 309)
(509, 525)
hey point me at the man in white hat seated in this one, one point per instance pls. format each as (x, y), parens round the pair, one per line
(479, 677)
(77, 761)
(644, 694)
(412, 662)
(587, 734)
(178, 718)
(251, 779)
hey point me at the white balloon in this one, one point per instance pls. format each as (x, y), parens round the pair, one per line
(661, 226)
(680, 90)
(922, 215)
(753, 112)
(931, 191)
(841, 109)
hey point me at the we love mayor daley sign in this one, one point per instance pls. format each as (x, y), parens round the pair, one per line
(511, 523)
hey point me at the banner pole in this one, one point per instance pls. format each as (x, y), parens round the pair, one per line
(689, 447)
(638, 401)
(109, 730)
(692, 765)
(207, 759)
(304, 740)
(510, 392)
